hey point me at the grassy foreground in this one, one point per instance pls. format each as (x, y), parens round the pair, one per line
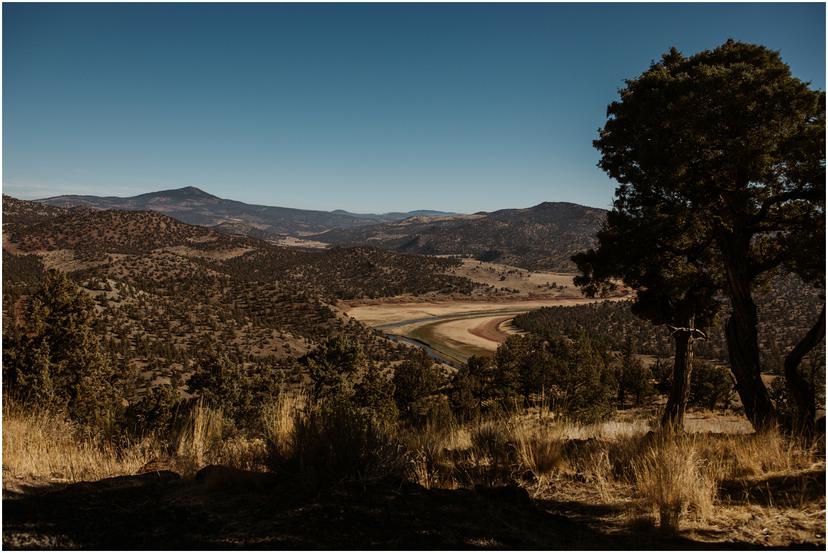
(761, 489)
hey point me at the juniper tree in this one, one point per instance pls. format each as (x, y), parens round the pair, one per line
(54, 360)
(645, 247)
(729, 147)
(416, 381)
(472, 386)
(334, 366)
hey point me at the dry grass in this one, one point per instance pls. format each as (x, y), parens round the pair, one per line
(199, 439)
(753, 455)
(690, 482)
(432, 454)
(279, 421)
(673, 480)
(41, 445)
(538, 448)
(327, 444)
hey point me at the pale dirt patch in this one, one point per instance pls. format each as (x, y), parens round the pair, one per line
(210, 236)
(495, 329)
(389, 312)
(713, 422)
(65, 260)
(293, 242)
(524, 281)
(462, 330)
(218, 255)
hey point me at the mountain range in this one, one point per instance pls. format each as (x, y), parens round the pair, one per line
(544, 236)
(197, 207)
(541, 237)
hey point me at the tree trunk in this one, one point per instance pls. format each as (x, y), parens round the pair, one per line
(798, 387)
(673, 417)
(743, 350)
(743, 336)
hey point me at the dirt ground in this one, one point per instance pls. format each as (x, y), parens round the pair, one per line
(293, 242)
(385, 312)
(524, 281)
(457, 328)
(494, 329)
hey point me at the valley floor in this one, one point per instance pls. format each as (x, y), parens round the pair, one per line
(456, 329)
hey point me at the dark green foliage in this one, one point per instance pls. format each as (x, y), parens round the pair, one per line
(155, 412)
(54, 360)
(573, 376)
(584, 386)
(221, 383)
(634, 379)
(374, 395)
(721, 163)
(489, 255)
(779, 394)
(710, 385)
(523, 367)
(341, 374)
(416, 383)
(334, 366)
(471, 387)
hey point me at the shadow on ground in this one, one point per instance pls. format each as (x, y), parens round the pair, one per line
(789, 490)
(227, 509)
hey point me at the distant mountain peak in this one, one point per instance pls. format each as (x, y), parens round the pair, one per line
(550, 205)
(187, 191)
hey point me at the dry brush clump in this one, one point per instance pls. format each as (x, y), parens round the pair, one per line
(40, 444)
(279, 418)
(438, 453)
(198, 439)
(325, 444)
(539, 448)
(672, 478)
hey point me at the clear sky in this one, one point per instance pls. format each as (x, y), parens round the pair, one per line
(367, 107)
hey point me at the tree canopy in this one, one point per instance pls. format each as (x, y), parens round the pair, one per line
(55, 359)
(720, 159)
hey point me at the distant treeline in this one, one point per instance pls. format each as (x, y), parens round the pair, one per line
(787, 309)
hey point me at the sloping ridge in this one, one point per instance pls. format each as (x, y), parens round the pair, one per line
(544, 236)
(197, 207)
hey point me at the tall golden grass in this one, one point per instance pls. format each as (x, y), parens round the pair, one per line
(673, 479)
(672, 476)
(199, 439)
(279, 418)
(40, 444)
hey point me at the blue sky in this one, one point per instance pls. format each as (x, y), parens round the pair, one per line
(367, 108)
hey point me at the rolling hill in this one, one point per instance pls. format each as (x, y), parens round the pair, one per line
(541, 237)
(194, 206)
(166, 290)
